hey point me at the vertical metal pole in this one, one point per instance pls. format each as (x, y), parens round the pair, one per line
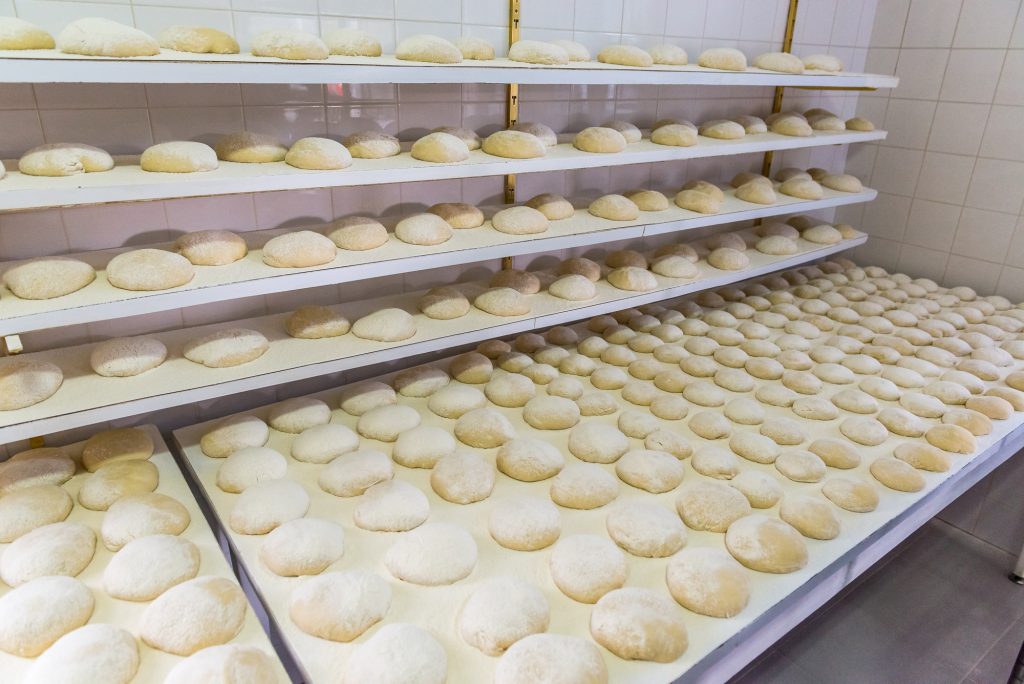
(787, 46)
(511, 112)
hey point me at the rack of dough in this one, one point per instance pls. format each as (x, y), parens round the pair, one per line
(62, 387)
(249, 275)
(111, 570)
(646, 486)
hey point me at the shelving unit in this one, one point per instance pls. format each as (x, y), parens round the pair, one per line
(127, 182)
(249, 277)
(86, 398)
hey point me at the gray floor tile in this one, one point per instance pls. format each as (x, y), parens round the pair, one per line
(999, 520)
(995, 667)
(964, 511)
(775, 668)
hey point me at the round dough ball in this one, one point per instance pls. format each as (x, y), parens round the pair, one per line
(632, 279)
(783, 62)
(24, 382)
(510, 390)
(458, 214)
(121, 444)
(306, 546)
(444, 303)
(391, 506)
(710, 425)
(60, 548)
(386, 423)
(352, 42)
(583, 486)
(18, 34)
(625, 55)
(585, 567)
(149, 270)
(710, 506)
(597, 443)
(811, 516)
(666, 53)
(639, 624)
(721, 129)
(141, 515)
(614, 207)
(351, 474)
(646, 530)
(112, 481)
(385, 325)
(148, 566)
(728, 259)
(455, 400)
(372, 145)
(631, 133)
(574, 288)
(98, 37)
(522, 282)
(357, 233)
(35, 615)
(286, 44)
(398, 654)
(522, 220)
(462, 477)
(761, 489)
(801, 466)
(64, 159)
(951, 438)
(441, 148)
(766, 544)
(562, 660)
(298, 414)
(551, 413)
(543, 132)
(859, 123)
(537, 52)
(723, 59)
(48, 277)
(577, 52)
(554, 207)
(211, 247)
(226, 348)
(525, 523)
(201, 612)
(179, 156)
(529, 460)
(250, 148)
(248, 663)
(600, 140)
(851, 494)
(432, 555)
(318, 154)
(233, 433)
(502, 301)
(483, 428)
(250, 466)
(652, 471)
(90, 655)
(24, 510)
(674, 266)
(266, 506)
(301, 249)
(313, 322)
(514, 145)
(708, 581)
(821, 62)
(790, 124)
(324, 443)
(500, 612)
(339, 606)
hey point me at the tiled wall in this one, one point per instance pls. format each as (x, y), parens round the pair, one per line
(128, 118)
(952, 170)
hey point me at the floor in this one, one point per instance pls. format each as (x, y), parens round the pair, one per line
(938, 610)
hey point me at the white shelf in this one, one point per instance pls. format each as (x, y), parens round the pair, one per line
(250, 276)
(86, 398)
(127, 182)
(50, 66)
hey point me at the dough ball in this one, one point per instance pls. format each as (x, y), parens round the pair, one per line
(211, 247)
(148, 566)
(510, 390)
(697, 201)
(529, 460)
(93, 653)
(357, 233)
(555, 657)
(351, 474)
(313, 322)
(721, 129)
(708, 581)
(761, 489)
(234, 433)
(484, 428)
(458, 214)
(441, 148)
(669, 442)
(24, 510)
(423, 446)
(318, 154)
(784, 431)
(710, 506)
(250, 148)
(639, 624)
(710, 425)
(111, 481)
(600, 140)
(801, 466)
(386, 423)
(585, 567)
(614, 208)
(752, 125)
(432, 555)
(306, 546)
(630, 132)
(18, 34)
(60, 548)
(632, 279)
(300, 249)
(810, 516)
(250, 466)
(193, 615)
(783, 62)
(756, 192)
(801, 188)
(179, 157)
(372, 145)
(646, 530)
(951, 438)
(100, 37)
(248, 663)
(821, 62)
(420, 381)
(391, 506)
(444, 303)
(514, 144)
(64, 159)
(398, 654)
(462, 477)
(551, 413)
(268, 505)
(141, 515)
(822, 235)
(339, 606)
(121, 444)
(537, 52)
(625, 55)
(359, 398)
(149, 270)
(791, 125)
(48, 277)
(652, 471)
(728, 259)
(864, 430)
(226, 348)
(851, 494)
(858, 123)
(637, 424)
(842, 182)
(669, 407)
(455, 400)
(723, 59)
(352, 42)
(38, 613)
(674, 266)
(522, 220)
(577, 52)
(500, 612)
(541, 131)
(754, 447)
(597, 443)
(666, 53)
(502, 301)
(385, 325)
(573, 287)
(583, 486)
(766, 544)
(286, 44)
(298, 414)
(554, 207)
(835, 453)
(471, 368)
(525, 523)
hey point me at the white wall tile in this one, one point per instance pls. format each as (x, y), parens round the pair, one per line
(686, 17)
(931, 23)
(886, 217)
(932, 224)
(89, 95)
(549, 14)
(921, 262)
(26, 234)
(1015, 254)
(896, 170)
(153, 20)
(54, 16)
(958, 127)
(204, 124)
(644, 16)
(115, 225)
(17, 96)
(972, 75)
(360, 8)
(1017, 39)
(971, 272)
(429, 10)
(997, 185)
(1004, 138)
(293, 208)
(1011, 283)
(908, 122)
(720, 20)
(984, 234)
(228, 212)
(921, 73)
(118, 131)
(1010, 90)
(944, 177)
(890, 20)
(986, 23)
(22, 131)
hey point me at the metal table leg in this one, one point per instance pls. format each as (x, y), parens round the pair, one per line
(1018, 570)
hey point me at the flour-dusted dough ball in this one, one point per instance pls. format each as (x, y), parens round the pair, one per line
(441, 148)
(724, 59)
(398, 654)
(148, 566)
(629, 131)
(554, 207)
(583, 486)
(98, 37)
(420, 381)
(226, 348)
(514, 145)
(633, 279)
(455, 400)
(666, 53)
(553, 658)
(510, 390)
(728, 259)
(352, 42)
(287, 44)
(372, 145)
(24, 510)
(48, 277)
(423, 229)
(843, 182)
(754, 447)
(783, 62)
(551, 413)
(674, 135)
(458, 214)
(35, 615)
(576, 52)
(141, 515)
(542, 132)
(801, 188)
(444, 303)
(234, 433)
(652, 471)
(625, 55)
(250, 148)
(599, 139)
(462, 477)
(597, 443)
(757, 193)
(766, 544)
(710, 506)
(822, 235)
(475, 48)
(674, 266)
(64, 159)
(247, 663)
(502, 301)
(250, 466)
(18, 34)
(646, 530)
(897, 474)
(708, 581)
(923, 456)
(60, 548)
(821, 62)
(951, 438)
(432, 555)
(639, 624)
(357, 233)
(859, 123)
(523, 220)
(386, 423)
(318, 154)
(120, 444)
(525, 523)
(385, 325)
(301, 249)
(314, 322)
(298, 414)
(573, 287)
(585, 567)
(801, 466)
(855, 495)
(484, 428)
(111, 481)
(790, 124)
(529, 460)
(339, 606)
(864, 430)
(211, 247)
(714, 462)
(93, 654)
(500, 612)
(149, 270)
(428, 48)
(268, 505)
(391, 506)
(810, 516)
(306, 546)
(721, 129)
(537, 52)
(697, 201)
(648, 200)
(179, 157)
